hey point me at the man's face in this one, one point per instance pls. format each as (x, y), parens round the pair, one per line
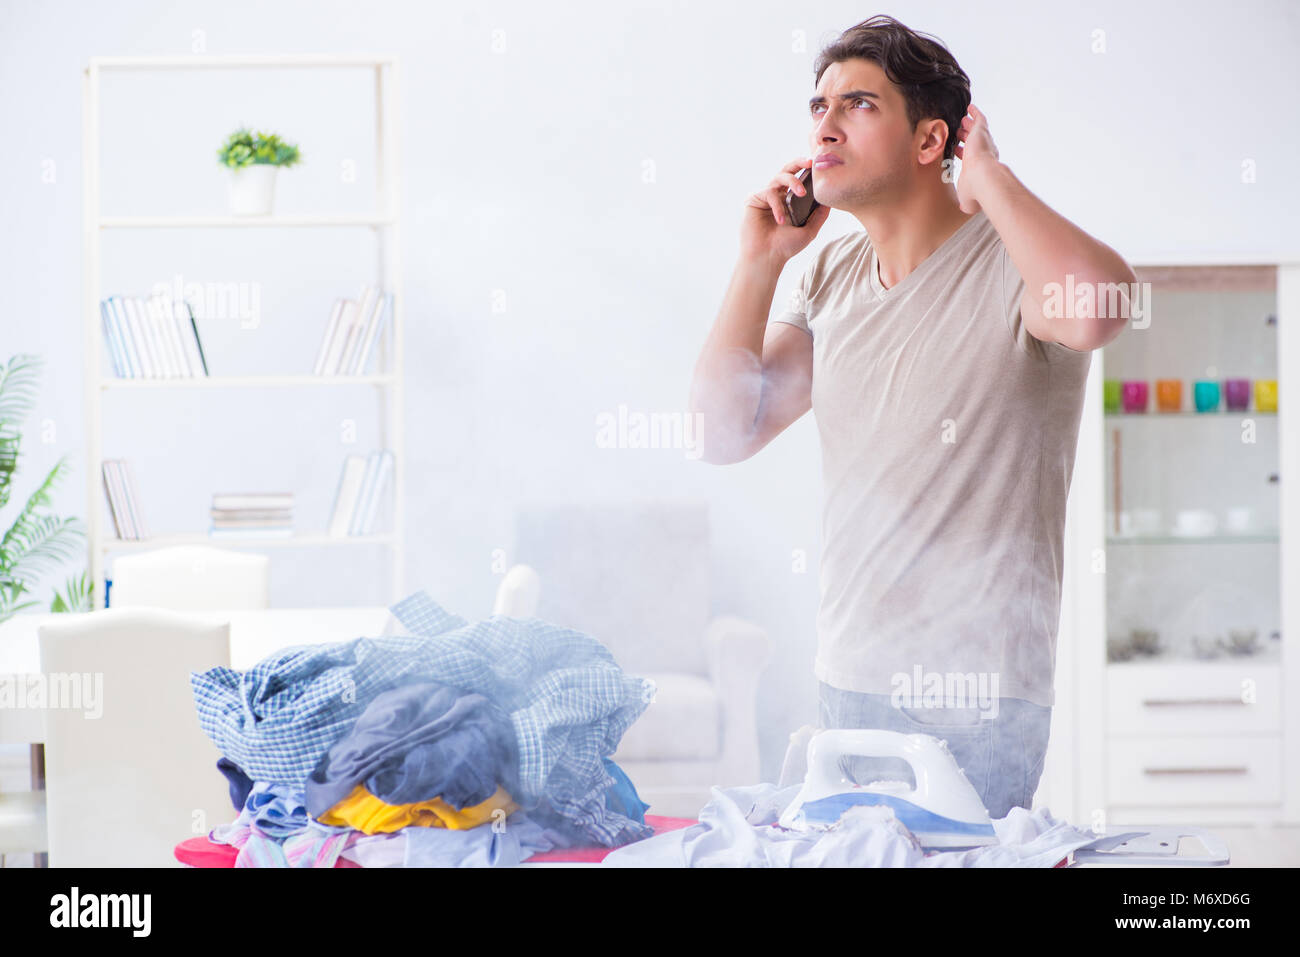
(858, 115)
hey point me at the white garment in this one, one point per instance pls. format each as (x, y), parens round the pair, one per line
(737, 829)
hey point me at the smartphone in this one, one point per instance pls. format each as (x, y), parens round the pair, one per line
(801, 207)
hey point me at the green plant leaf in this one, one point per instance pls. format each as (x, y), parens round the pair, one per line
(78, 595)
(10, 440)
(42, 544)
(19, 379)
(18, 388)
(36, 541)
(10, 592)
(8, 610)
(244, 148)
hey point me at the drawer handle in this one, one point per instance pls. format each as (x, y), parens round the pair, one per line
(1194, 770)
(1165, 702)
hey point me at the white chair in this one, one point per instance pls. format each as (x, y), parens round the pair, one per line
(128, 771)
(636, 578)
(191, 578)
(22, 823)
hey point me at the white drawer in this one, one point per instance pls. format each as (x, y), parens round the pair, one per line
(1209, 771)
(1193, 698)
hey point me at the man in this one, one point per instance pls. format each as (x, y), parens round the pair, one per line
(947, 392)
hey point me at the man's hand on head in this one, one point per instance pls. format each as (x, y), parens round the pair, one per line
(978, 154)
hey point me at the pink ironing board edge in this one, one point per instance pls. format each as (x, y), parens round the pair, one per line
(202, 852)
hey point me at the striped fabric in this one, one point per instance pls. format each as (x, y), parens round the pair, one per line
(568, 700)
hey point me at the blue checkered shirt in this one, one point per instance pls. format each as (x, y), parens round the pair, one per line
(569, 701)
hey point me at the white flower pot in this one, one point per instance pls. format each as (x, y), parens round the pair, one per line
(252, 189)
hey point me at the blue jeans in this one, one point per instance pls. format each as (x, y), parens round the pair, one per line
(1001, 756)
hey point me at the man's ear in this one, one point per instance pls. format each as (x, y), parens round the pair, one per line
(932, 143)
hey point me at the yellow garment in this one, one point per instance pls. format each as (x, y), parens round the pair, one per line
(363, 811)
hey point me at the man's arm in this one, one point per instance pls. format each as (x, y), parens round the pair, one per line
(751, 381)
(1046, 248)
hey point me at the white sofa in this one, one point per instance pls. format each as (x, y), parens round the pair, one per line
(636, 577)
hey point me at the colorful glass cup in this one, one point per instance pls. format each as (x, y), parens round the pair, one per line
(1110, 394)
(1206, 395)
(1169, 395)
(1266, 395)
(1236, 393)
(1135, 395)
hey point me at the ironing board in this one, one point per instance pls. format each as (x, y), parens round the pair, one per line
(1153, 847)
(201, 852)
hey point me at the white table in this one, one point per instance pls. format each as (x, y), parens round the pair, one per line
(253, 636)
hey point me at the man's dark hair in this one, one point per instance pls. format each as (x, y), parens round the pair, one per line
(927, 75)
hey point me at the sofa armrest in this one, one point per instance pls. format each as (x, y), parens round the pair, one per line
(737, 651)
(518, 593)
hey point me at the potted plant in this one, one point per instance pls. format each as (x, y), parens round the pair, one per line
(252, 159)
(36, 541)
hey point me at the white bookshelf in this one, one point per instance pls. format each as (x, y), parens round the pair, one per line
(101, 542)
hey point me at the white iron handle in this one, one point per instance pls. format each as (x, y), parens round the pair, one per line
(826, 749)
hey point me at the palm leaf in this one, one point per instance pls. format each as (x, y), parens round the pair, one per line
(7, 610)
(9, 443)
(45, 543)
(35, 539)
(77, 595)
(18, 386)
(10, 592)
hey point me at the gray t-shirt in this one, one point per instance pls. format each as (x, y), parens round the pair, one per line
(948, 435)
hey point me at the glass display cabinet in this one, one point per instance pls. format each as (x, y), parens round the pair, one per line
(1191, 470)
(1182, 580)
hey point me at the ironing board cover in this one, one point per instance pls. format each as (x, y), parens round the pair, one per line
(201, 852)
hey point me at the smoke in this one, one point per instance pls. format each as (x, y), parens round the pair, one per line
(738, 399)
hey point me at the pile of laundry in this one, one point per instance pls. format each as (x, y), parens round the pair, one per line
(740, 827)
(455, 744)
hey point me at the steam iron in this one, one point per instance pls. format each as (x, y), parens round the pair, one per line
(943, 811)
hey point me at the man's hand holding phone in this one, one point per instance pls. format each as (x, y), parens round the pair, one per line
(767, 230)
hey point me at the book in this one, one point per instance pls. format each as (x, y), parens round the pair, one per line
(253, 514)
(339, 343)
(112, 340)
(250, 532)
(171, 360)
(127, 335)
(336, 313)
(195, 345)
(378, 488)
(116, 504)
(367, 482)
(253, 500)
(123, 500)
(119, 494)
(383, 305)
(133, 502)
(283, 518)
(150, 361)
(366, 305)
(167, 322)
(252, 523)
(346, 495)
(349, 333)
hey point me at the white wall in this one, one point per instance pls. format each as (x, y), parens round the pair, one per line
(524, 172)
